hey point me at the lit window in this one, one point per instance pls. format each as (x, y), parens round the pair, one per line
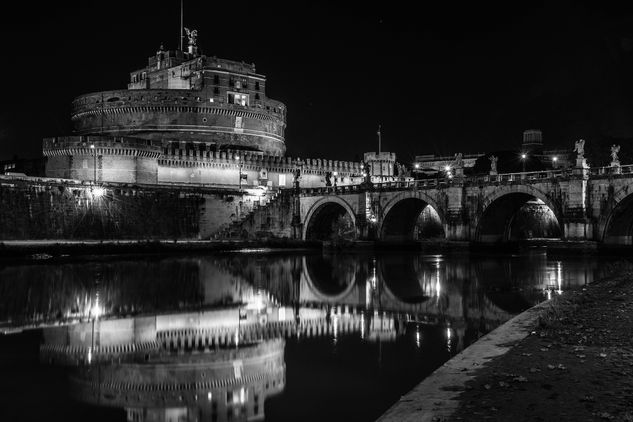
(240, 99)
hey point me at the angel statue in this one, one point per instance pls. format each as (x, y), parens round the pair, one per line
(493, 163)
(459, 160)
(192, 35)
(579, 147)
(614, 153)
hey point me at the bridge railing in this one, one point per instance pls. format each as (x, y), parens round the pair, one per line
(610, 170)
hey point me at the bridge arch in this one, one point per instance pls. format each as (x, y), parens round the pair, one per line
(329, 279)
(618, 228)
(516, 211)
(323, 214)
(400, 215)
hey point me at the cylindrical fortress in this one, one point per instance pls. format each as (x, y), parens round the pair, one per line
(220, 104)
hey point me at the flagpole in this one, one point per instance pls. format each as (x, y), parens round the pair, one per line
(182, 36)
(379, 140)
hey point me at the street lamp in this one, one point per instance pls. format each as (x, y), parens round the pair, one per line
(335, 174)
(448, 171)
(240, 172)
(554, 160)
(94, 154)
(523, 157)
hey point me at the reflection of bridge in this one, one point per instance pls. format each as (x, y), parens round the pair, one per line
(588, 204)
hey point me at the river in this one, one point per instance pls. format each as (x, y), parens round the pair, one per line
(254, 334)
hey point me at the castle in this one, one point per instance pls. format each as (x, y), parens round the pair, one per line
(187, 118)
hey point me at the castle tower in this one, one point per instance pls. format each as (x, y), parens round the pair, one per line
(208, 103)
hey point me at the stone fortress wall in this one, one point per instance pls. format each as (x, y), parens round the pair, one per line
(133, 160)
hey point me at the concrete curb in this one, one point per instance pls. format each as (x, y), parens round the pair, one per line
(437, 397)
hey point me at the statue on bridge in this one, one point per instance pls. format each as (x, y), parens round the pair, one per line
(297, 177)
(579, 148)
(459, 160)
(328, 178)
(493, 164)
(614, 154)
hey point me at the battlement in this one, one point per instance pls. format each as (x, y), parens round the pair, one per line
(100, 145)
(193, 157)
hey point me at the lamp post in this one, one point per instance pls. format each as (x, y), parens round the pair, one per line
(335, 174)
(94, 154)
(240, 172)
(554, 161)
(523, 157)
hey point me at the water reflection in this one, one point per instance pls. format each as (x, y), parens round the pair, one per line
(209, 337)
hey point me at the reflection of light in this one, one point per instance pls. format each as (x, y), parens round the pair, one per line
(256, 301)
(362, 325)
(96, 310)
(417, 336)
(559, 277)
(549, 294)
(335, 331)
(209, 396)
(449, 341)
(89, 354)
(242, 395)
(237, 337)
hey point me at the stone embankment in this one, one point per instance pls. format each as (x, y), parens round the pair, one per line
(569, 359)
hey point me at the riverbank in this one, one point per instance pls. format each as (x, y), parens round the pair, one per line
(58, 247)
(42, 249)
(571, 360)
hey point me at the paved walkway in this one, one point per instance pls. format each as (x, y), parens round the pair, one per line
(570, 359)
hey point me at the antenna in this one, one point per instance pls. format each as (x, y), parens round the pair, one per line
(182, 35)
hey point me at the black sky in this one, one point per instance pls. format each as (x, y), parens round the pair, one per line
(439, 79)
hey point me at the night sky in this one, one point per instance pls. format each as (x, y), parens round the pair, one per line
(440, 80)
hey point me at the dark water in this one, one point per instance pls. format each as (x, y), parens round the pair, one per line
(252, 335)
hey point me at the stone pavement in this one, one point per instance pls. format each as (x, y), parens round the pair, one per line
(570, 359)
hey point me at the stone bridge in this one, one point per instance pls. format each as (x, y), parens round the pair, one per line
(579, 203)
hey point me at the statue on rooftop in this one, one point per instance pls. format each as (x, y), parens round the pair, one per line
(579, 147)
(192, 35)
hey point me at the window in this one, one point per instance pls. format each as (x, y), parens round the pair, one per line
(257, 96)
(236, 98)
(238, 84)
(257, 86)
(216, 79)
(216, 91)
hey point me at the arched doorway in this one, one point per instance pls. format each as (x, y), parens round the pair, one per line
(515, 216)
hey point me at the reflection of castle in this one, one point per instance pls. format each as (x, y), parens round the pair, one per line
(222, 385)
(123, 363)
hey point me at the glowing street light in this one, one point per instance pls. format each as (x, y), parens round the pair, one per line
(335, 174)
(523, 157)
